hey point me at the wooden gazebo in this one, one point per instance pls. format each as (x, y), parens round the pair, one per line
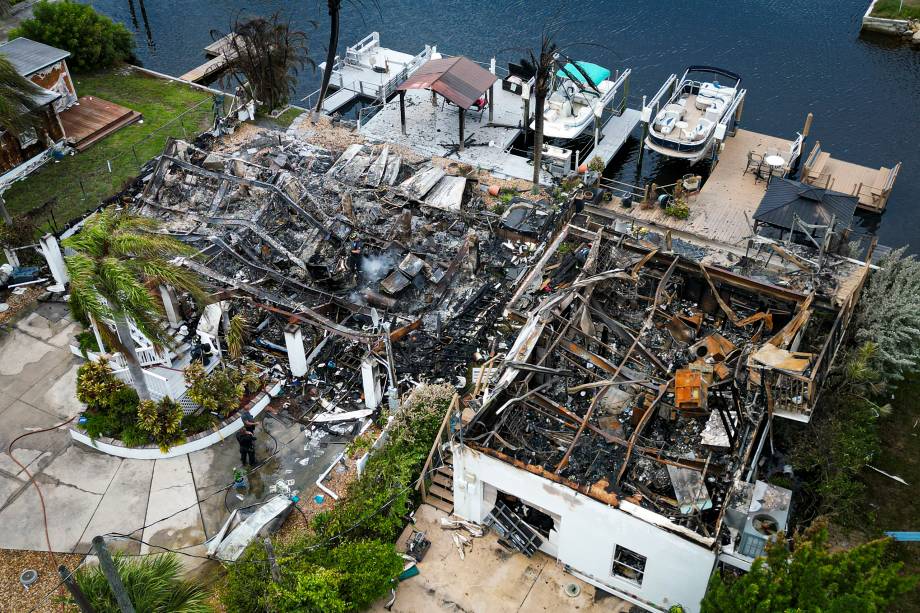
(460, 80)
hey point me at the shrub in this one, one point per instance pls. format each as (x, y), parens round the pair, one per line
(122, 404)
(133, 436)
(597, 164)
(678, 209)
(812, 578)
(86, 340)
(197, 422)
(96, 384)
(94, 40)
(98, 425)
(162, 421)
(368, 569)
(220, 390)
(153, 583)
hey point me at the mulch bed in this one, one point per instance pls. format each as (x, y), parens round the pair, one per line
(13, 597)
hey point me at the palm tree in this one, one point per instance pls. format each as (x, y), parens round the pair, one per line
(17, 103)
(542, 65)
(114, 275)
(153, 583)
(266, 56)
(334, 7)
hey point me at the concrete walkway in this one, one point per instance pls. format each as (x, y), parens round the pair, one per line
(88, 493)
(490, 578)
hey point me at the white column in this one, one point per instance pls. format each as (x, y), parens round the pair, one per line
(297, 356)
(370, 377)
(170, 306)
(52, 253)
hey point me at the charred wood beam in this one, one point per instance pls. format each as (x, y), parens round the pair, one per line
(623, 331)
(597, 490)
(645, 419)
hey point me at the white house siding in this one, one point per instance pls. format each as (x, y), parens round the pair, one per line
(676, 572)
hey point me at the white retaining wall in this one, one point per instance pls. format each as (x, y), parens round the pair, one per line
(204, 440)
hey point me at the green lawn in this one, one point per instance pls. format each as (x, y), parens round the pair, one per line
(159, 101)
(889, 9)
(893, 504)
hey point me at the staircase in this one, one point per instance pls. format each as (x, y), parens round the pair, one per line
(440, 493)
(437, 483)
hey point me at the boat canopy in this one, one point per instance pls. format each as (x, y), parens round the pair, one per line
(595, 73)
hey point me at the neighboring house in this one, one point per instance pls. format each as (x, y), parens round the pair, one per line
(46, 67)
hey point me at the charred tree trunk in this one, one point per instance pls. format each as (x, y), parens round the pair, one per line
(539, 103)
(334, 9)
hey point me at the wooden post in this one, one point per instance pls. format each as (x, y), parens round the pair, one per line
(270, 552)
(462, 121)
(78, 596)
(111, 575)
(492, 91)
(402, 110)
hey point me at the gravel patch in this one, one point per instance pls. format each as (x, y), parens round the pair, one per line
(14, 598)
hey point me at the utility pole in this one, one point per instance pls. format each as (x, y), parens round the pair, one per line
(78, 596)
(111, 575)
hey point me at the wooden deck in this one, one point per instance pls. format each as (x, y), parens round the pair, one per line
(92, 119)
(872, 185)
(722, 209)
(220, 52)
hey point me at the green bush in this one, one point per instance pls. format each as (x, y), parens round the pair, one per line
(220, 390)
(194, 423)
(162, 421)
(122, 404)
(94, 40)
(96, 383)
(153, 583)
(133, 436)
(101, 424)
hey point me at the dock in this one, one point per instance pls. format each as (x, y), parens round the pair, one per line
(220, 52)
(368, 71)
(721, 211)
(872, 185)
(431, 131)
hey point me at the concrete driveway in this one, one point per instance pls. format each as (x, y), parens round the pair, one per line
(88, 493)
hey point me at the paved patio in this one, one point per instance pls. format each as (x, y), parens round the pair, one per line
(490, 578)
(87, 492)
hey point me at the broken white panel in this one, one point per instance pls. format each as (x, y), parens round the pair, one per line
(714, 433)
(447, 195)
(370, 377)
(297, 355)
(232, 546)
(209, 324)
(689, 489)
(325, 418)
(52, 253)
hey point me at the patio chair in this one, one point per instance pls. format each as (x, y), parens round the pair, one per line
(754, 160)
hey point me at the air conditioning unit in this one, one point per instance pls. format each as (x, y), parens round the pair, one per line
(768, 515)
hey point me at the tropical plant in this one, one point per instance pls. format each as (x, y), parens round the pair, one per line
(542, 64)
(812, 578)
(17, 100)
(94, 40)
(678, 209)
(597, 164)
(154, 584)
(266, 55)
(96, 384)
(118, 263)
(888, 316)
(335, 9)
(220, 390)
(236, 335)
(162, 421)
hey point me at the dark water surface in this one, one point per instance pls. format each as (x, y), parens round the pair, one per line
(794, 56)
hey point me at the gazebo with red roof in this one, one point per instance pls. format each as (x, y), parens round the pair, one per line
(460, 80)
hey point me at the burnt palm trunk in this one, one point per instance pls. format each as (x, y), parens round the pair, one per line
(334, 6)
(539, 103)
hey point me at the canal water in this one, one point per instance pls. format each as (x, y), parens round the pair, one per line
(794, 57)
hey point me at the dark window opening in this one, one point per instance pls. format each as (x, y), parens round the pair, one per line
(535, 518)
(628, 564)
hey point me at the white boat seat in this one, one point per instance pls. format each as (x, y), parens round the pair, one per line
(701, 130)
(675, 109)
(665, 123)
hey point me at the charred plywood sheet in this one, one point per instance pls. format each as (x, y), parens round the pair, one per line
(447, 195)
(345, 158)
(377, 168)
(395, 283)
(419, 184)
(391, 174)
(351, 172)
(781, 359)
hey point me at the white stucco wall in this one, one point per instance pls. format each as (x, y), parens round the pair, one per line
(676, 572)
